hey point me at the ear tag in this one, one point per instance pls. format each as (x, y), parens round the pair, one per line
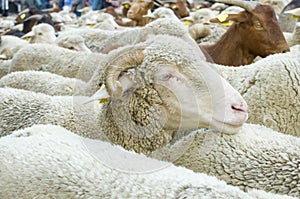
(227, 23)
(206, 21)
(174, 7)
(91, 25)
(27, 38)
(102, 100)
(187, 22)
(198, 7)
(222, 17)
(294, 17)
(22, 16)
(126, 5)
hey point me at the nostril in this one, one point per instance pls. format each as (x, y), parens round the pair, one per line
(239, 108)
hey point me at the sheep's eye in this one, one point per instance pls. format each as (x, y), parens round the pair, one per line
(165, 77)
(40, 33)
(258, 25)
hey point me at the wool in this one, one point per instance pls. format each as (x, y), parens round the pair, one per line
(47, 161)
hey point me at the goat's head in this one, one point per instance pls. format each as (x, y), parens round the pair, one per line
(258, 28)
(139, 8)
(157, 86)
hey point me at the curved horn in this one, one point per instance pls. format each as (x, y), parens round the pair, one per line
(37, 17)
(129, 59)
(247, 5)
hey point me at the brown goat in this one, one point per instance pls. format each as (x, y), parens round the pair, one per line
(255, 32)
(179, 7)
(138, 9)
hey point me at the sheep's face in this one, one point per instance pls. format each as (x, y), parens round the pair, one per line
(158, 91)
(190, 104)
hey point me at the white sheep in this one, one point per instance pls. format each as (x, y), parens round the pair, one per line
(4, 66)
(73, 42)
(147, 87)
(270, 87)
(41, 33)
(105, 41)
(294, 37)
(42, 82)
(45, 33)
(49, 161)
(11, 45)
(54, 59)
(255, 158)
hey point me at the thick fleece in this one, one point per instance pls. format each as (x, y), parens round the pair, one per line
(46, 161)
(271, 88)
(58, 60)
(256, 157)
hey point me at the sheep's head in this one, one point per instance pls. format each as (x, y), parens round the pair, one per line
(41, 33)
(157, 90)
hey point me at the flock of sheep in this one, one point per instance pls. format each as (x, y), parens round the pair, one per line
(108, 111)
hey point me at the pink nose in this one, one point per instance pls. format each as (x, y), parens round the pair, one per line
(242, 107)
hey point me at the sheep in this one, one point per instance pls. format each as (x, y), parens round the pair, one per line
(42, 82)
(155, 78)
(51, 58)
(105, 41)
(162, 12)
(270, 87)
(255, 158)
(294, 37)
(10, 45)
(73, 42)
(45, 33)
(4, 65)
(41, 33)
(49, 161)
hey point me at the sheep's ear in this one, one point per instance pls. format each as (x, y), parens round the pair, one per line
(102, 95)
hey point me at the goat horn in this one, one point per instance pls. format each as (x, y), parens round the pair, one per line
(37, 17)
(129, 59)
(247, 5)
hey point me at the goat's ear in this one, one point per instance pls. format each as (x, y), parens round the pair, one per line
(224, 18)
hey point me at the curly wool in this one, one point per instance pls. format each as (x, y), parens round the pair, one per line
(271, 88)
(256, 157)
(54, 59)
(22, 109)
(43, 82)
(49, 161)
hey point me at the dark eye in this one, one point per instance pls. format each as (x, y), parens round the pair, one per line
(165, 77)
(40, 33)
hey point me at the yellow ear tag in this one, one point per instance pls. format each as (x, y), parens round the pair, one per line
(294, 17)
(27, 38)
(103, 100)
(126, 5)
(174, 7)
(91, 25)
(22, 16)
(222, 17)
(206, 21)
(198, 7)
(187, 22)
(227, 23)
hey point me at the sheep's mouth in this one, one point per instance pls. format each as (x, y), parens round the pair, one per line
(226, 127)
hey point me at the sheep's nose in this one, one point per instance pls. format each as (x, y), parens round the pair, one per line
(242, 107)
